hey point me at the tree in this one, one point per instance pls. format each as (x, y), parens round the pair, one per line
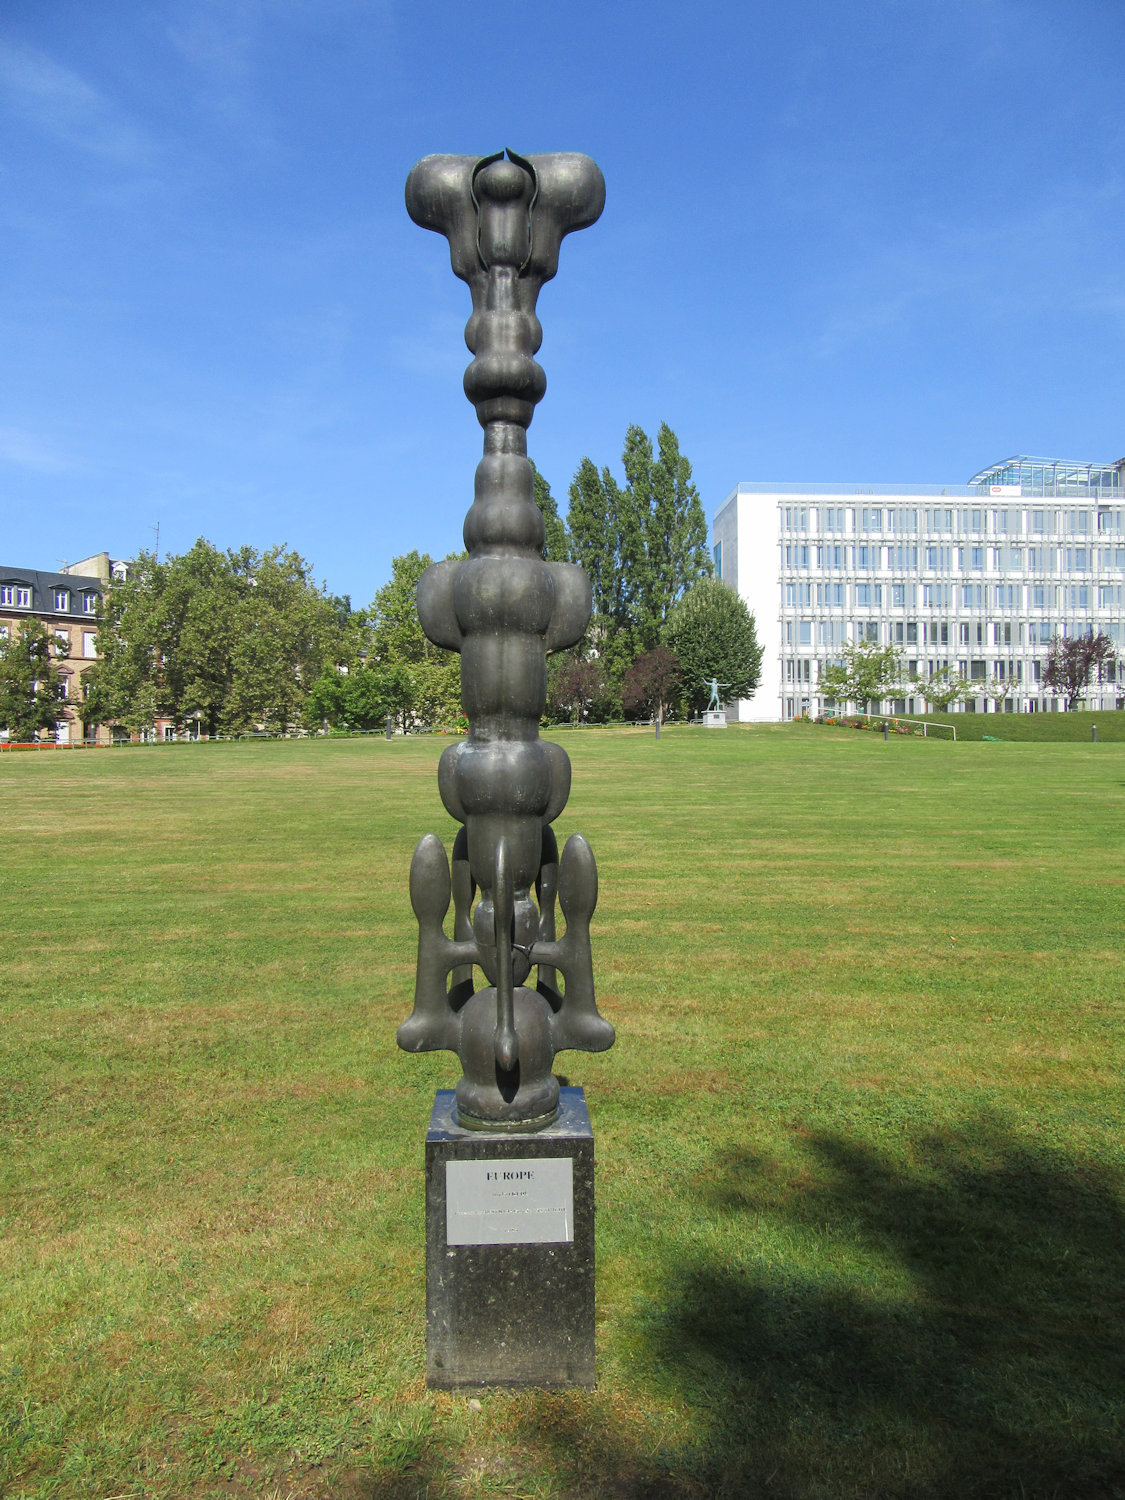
(713, 636)
(429, 676)
(574, 683)
(998, 690)
(29, 682)
(362, 698)
(867, 674)
(943, 689)
(642, 546)
(228, 639)
(1072, 661)
(132, 643)
(651, 684)
(285, 633)
(556, 547)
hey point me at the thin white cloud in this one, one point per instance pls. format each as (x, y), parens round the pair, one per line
(25, 450)
(61, 104)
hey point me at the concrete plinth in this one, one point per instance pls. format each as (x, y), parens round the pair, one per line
(510, 1251)
(715, 718)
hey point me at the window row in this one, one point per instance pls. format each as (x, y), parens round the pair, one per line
(831, 557)
(949, 520)
(18, 596)
(972, 596)
(61, 641)
(931, 633)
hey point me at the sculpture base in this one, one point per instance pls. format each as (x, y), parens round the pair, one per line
(510, 1252)
(715, 718)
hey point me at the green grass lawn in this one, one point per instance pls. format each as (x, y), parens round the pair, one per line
(861, 1219)
(1054, 728)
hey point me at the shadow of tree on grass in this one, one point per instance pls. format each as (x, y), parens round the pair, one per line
(962, 1334)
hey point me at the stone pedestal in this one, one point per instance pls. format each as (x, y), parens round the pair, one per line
(715, 718)
(510, 1251)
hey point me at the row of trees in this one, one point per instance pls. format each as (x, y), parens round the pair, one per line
(869, 674)
(241, 639)
(227, 639)
(238, 639)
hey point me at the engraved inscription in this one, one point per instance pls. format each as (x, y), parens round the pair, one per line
(525, 1202)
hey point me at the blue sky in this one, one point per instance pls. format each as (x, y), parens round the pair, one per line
(877, 242)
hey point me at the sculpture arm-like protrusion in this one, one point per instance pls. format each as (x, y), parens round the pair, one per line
(433, 1025)
(436, 611)
(578, 1023)
(571, 195)
(571, 612)
(439, 196)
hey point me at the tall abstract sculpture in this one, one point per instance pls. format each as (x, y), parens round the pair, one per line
(504, 609)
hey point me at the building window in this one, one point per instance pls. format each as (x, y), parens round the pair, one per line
(804, 637)
(62, 643)
(717, 551)
(15, 595)
(62, 691)
(89, 643)
(976, 559)
(89, 603)
(62, 599)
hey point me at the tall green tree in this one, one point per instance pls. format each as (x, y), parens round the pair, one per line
(714, 636)
(642, 546)
(29, 682)
(556, 547)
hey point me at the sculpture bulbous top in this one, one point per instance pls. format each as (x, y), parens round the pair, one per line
(504, 608)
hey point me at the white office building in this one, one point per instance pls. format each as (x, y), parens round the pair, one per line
(977, 578)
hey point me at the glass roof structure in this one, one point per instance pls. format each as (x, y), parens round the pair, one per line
(1054, 476)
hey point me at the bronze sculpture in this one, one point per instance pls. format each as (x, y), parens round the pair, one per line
(504, 609)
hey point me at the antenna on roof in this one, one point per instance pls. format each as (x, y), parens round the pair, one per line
(156, 528)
